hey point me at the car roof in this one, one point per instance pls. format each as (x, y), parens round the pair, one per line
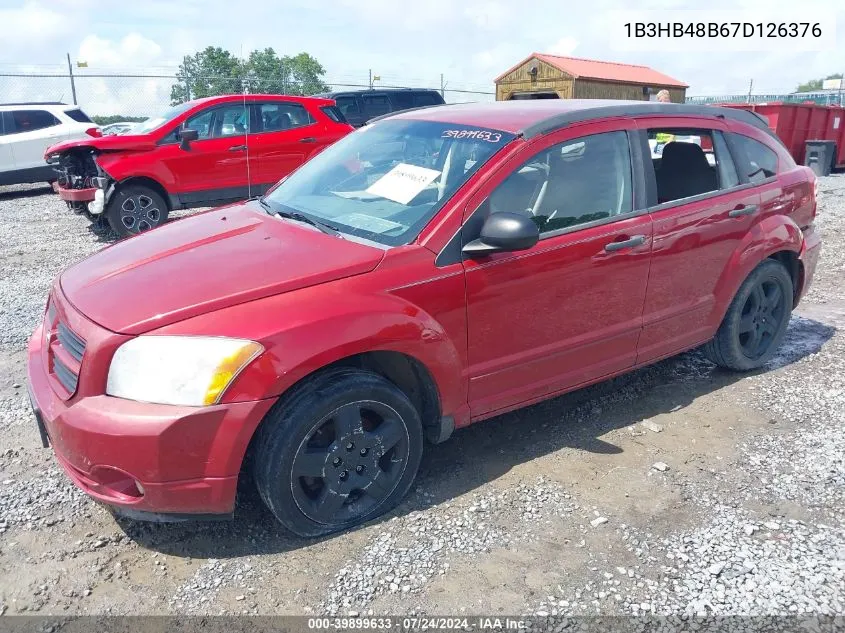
(260, 97)
(368, 90)
(529, 118)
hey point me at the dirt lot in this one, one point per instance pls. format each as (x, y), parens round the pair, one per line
(677, 489)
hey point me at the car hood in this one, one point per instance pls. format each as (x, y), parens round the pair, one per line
(206, 262)
(114, 143)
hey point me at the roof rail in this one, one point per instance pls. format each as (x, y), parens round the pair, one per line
(390, 114)
(24, 103)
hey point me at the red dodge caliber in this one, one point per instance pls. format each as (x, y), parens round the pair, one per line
(432, 269)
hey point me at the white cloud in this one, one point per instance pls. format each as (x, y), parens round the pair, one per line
(133, 50)
(30, 26)
(564, 46)
(487, 15)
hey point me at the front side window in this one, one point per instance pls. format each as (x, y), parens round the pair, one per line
(220, 122)
(690, 162)
(277, 117)
(31, 120)
(761, 162)
(576, 182)
(386, 181)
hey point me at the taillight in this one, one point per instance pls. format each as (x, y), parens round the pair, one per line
(93, 131)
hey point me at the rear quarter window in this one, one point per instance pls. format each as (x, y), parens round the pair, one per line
(78, 115)
(758, 161)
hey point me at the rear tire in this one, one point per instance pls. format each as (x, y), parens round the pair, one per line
(342, 448)
(135, 209)
(756, 320)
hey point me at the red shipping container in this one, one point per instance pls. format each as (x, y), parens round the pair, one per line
(797, 123)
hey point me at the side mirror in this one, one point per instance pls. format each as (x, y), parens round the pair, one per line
(186, 136)
(504, 232)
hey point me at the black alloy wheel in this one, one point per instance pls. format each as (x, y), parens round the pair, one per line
(135, 209)
(350, 462)
(756, 320)
(340, 448)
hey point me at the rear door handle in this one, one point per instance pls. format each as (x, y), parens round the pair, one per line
(237, 148)
(636, 240)
(308, 139)
(748, 209)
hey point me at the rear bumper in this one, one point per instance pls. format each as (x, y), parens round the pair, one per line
(145, 457)
(809, 258)
(76, 195)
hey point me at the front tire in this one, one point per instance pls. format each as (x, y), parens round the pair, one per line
(135, 209)
(756, 321)
(342, 448)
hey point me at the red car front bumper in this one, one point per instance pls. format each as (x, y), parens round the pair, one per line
(143, 457)
(75, 195)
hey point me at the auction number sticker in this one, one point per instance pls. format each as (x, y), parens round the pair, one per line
(481, 135)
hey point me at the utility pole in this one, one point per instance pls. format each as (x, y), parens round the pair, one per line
(442, 86)
(371, 78)
(750, 85)
(72, 84)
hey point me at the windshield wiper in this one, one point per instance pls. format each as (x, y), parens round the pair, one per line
(299, 217)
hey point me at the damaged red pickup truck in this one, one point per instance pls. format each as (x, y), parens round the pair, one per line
(429, 270)
(204, 152)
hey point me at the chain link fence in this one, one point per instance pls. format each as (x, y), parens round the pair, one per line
(830, 97)
(145, 95)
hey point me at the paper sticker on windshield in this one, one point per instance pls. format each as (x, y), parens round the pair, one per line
(481, 135)
(402, 183)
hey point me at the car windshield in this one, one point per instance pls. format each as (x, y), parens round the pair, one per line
(385, 181)
(160, 119)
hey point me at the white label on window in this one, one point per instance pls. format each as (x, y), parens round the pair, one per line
(402, 183)
(836, 123)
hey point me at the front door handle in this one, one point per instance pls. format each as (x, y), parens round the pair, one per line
(308, 139)
(748, 209)
(237, 148)
(636, 240)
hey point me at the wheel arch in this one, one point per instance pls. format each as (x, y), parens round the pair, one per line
(775, 237)
(151, 183)
(405, 371)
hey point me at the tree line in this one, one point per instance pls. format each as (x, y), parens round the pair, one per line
(215, 71)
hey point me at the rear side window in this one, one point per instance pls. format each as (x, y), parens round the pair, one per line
(376, 105)
(78, 115)
(690, 162)
(334, 113)
(760, 161)
(29, 121)
(278, 117)
(403, 100)
(425, 99)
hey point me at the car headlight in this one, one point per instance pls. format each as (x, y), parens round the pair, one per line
(179, 370)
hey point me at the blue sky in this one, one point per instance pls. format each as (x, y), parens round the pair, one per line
(405, 42)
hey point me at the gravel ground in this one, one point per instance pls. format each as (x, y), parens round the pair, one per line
(679, 489)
